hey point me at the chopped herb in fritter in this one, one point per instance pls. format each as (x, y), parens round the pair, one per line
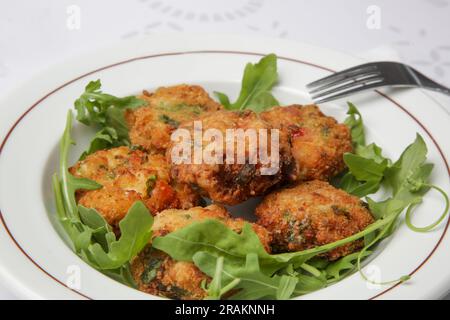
(150, 270)
(168, 120)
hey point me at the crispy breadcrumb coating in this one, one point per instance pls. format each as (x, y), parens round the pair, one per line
(228, 183)
(168, 107)
(318, 142)
(312, 214)
(127, 176)
(157, 273)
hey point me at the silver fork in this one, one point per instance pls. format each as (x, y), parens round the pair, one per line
(369, 76)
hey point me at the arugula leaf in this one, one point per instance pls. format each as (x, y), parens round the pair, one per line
(286, 287)
(135, 230)
(340, 268)
(408, 178)
(366, 165)
(101, 230)
(216, 238)
(95, 108)
(366, 170)
(70, 183)
(92, 106)
(86, 230)
(253, 284)
(407, 175)
(210, 235)
(103, 139)
(355, 123)
(215, 289)
(357, 188)
(122, 275)
(371, 151)
(385, 208)
(257, 82)
(392, 216)
(306, 283)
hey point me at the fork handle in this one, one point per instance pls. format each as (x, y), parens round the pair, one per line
(427, 83)
(439, 88)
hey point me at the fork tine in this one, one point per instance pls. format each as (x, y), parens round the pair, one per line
(345, 81)
(354, 84)
(348, 92)
(343, 74)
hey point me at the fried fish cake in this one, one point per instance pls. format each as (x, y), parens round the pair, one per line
(152, 125)
(312, 214)
(171, 220)
(110, 201)
(127, 176)
(158, 274)
(237, 171)
(318, 142)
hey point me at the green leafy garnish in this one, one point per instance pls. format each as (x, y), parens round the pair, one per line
(89, 234)
(407, 178)
(355, 123)
(366, 170)
(366, 165)
(135, 233)
(408, 174)
(257, 82)
(213, 237)
(342, 267)
(105, 112)
(247, 280)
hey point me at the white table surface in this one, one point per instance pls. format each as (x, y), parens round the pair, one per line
(37, 34)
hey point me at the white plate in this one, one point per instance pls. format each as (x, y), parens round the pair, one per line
(34, 260)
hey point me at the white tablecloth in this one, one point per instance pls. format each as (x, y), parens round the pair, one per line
(36, 34)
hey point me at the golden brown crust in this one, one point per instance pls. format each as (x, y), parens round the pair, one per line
(110, 201)
(318, 142)
(171, 220)
(127, 176)
(231, 183)
(156, 273)
(312, 214)
(168, 107)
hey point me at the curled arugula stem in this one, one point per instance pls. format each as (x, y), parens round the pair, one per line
(379, 236)
(434, 224)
